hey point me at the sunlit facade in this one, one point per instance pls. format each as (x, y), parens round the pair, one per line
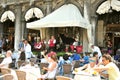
(16, 13)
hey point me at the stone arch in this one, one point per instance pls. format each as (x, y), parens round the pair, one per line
(71, 2)
(77, 4)
(96, 4)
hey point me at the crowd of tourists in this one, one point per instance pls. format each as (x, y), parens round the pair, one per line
(103, 63)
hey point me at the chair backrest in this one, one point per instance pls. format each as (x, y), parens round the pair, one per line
(33, 60)
(5, 71)
(43, 65)
(21, 75)
(76, 64)
(62, 78)
(67, 68)
(1, 59)
(8, 77)
(20, 63)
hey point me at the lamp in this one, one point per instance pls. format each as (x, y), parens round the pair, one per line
(110, 10)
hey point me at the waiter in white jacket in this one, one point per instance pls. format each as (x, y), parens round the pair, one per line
(96, 49)
(27, 49)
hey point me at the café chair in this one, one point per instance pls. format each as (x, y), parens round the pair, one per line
(20, 63)
(21, 75)
(62, 78)
(6, 77)
(5, 71)
(76, 64)
(67, 70)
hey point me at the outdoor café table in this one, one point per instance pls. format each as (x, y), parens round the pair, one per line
(85, 76)
(32, 72)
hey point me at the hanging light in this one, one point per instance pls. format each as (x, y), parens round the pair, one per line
(110, 10)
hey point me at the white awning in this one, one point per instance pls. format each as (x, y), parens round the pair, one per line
(66, 15)
(7, 15)
(36, 11)
(105, 6)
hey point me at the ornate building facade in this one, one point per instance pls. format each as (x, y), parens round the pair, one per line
(16, 13)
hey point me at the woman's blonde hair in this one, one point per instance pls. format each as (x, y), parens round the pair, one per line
(54, 57)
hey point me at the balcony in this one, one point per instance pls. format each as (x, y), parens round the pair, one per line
(13, 1)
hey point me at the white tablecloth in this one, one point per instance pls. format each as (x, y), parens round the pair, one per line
(32, 73)
(86, 76)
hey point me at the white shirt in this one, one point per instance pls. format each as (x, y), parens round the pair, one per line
(6, 62)
(28, 52)
(113, 71)
(27, 48)
(97, 49)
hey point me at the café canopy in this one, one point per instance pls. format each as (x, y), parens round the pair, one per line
(66, 15)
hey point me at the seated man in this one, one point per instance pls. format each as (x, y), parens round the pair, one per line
(7, 60)
(110, 67)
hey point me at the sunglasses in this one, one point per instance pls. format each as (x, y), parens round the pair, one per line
(103, 60)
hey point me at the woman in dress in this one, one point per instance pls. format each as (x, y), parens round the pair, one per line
(51, 69)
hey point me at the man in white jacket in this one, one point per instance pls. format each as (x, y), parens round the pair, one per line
(27, 49)
(96, 49)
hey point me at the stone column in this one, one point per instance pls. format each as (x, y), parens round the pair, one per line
(87, 9)
(87, 38)
(18, 9)
(1, 30)
(42, 33)
(48, 4)
(93, 25)
(23, 30)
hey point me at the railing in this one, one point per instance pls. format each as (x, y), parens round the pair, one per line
(9, 2)
(12, 1)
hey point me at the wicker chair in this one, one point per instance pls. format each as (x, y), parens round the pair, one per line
(20, 63)
(62, 78)
(1, 59)
(43, 65)
(45, 79)
(33, 60)
(67, 68)
(5, 71)
(8, 77)
(77, 64)
(21, 75)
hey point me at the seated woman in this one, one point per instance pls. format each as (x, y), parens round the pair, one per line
(51, 69)
(88, 72)
(87, 67)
